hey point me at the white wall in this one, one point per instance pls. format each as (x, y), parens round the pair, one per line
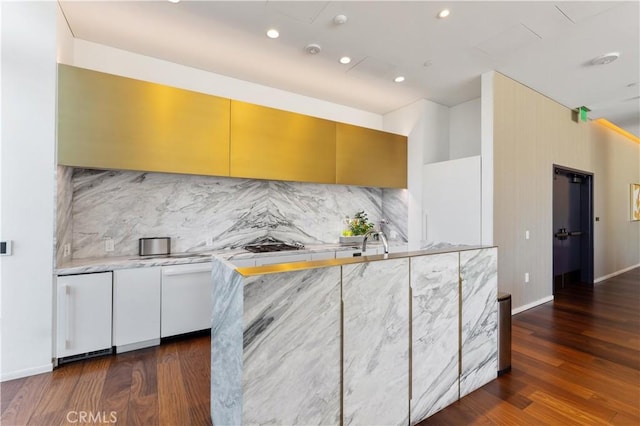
(423, 122)
(28, 40)
(464, 130)
(436, 146)
(451, 201)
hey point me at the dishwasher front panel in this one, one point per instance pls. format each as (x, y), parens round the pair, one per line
(186, 299)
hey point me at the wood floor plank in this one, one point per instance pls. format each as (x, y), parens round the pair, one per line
(86, 395)
(172, 400)
(52, 408)
(143, 400)
(8, 390)
(27, 395)
(583, 413)
(116, 391)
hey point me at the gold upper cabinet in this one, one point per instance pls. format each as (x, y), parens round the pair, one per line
(370, 157)
(111, 122)
(267, 143)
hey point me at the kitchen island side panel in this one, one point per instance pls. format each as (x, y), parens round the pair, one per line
(226, 344)
(479, 287)
(291, 362)
(435, 327)
(376, 343)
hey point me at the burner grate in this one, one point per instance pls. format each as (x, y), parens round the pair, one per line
(270, 247)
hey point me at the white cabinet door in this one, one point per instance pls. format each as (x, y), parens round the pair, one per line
(186, 298)
(286, 258)
(83, 313)
(136, 308)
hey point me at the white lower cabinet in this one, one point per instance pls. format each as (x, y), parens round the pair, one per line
(83, 314)
(186, 298)
(136, 308)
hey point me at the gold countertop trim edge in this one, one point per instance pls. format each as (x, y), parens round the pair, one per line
(300, 266)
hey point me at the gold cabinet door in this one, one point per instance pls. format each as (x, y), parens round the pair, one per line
(368, 157)
(111, 122)
(267, 143)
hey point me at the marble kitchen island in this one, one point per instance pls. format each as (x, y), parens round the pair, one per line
(385, 339)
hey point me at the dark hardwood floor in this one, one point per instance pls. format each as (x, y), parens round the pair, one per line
(575, 361)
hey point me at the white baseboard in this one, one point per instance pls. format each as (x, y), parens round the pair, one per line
(531, 305)
(26, 372)
(621, 271)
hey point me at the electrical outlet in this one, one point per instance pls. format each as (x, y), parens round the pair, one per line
(526, 235)
(109, 245)
(209, 241)
(526, 277)
(393, 235)
(66, 250)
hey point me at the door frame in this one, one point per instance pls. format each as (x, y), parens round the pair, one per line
(587, 219)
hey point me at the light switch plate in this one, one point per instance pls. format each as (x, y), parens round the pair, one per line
(6, 248)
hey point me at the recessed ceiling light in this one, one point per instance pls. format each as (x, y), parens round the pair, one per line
(399, 79)
(607, 58)
(345, 60)
(273, 33)
(174, 1)
(444, 13)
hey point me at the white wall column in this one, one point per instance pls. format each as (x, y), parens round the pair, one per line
(27, 159)
(486, 152)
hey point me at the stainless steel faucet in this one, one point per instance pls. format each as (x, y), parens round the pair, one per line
(379, 234)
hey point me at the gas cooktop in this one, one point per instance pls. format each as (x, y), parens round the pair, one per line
(271, 247)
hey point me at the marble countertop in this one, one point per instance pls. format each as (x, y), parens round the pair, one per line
(104, 264)
(298, 266)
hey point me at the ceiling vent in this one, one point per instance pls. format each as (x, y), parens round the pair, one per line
(313, 49)
(605, 59)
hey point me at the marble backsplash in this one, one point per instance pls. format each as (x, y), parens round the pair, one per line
(64, 202)
(224, 212)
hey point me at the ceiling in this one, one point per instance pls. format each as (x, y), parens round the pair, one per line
(547, 46)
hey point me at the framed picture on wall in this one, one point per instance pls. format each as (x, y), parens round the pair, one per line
(635, 201)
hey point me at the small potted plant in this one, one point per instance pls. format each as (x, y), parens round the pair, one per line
(355, 228)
